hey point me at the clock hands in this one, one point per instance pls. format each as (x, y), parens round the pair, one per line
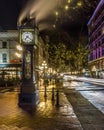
(27, 37)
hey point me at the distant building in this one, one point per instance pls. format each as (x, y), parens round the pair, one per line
(10, 64)
(96, 41)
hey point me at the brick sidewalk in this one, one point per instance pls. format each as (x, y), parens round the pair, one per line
(46, 116)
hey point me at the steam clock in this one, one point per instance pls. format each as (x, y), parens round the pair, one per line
(28, 95)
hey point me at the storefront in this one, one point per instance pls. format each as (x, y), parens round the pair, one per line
(10, 72)
(97, 68)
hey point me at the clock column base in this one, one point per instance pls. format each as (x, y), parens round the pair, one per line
(28, 100)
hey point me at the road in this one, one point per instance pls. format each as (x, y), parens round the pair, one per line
(93, 92)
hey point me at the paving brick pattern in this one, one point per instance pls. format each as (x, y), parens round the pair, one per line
(46, 116)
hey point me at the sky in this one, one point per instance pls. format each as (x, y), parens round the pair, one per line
(73, 20)
(9, 11)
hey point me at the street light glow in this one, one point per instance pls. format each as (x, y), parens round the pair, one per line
(66, 7)
(18, 55)
(54, 26)
(79, 4)
(19, 47)
(69, 1)
(56, 13)
(44, 65)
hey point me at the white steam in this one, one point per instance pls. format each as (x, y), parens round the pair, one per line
(38, 10)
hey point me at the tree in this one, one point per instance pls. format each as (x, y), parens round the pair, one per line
(67, 53)
(79, 58)
(58, 56)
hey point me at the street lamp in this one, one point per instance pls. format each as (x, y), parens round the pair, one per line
(79, 4)
(56, 13)
(44, 67)
(66, 7)
(69, 1)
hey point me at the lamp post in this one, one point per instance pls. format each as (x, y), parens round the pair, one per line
(44, 66)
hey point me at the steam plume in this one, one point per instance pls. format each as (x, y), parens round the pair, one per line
(38, 10)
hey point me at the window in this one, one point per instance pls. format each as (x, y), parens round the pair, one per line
(102, 51)
(4, 57)
(4, 44)
(99, 33)
(99, 43)
(99, 53)
(103, 40)
(102, 30)
(96, 54)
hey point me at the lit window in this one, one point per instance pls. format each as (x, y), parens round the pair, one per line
(4, 57)
(66, 7)
(103, 30)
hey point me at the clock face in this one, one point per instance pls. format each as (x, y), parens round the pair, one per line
(27, 37)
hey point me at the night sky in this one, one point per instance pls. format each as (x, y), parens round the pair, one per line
(10, 10)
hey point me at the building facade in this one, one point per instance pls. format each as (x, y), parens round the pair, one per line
(96, 41)
(10, 59)
(10, 64)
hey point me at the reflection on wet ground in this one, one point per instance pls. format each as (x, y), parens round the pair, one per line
(94, 93)
(45, 116)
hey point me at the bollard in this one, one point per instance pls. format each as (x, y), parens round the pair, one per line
(53, 94)
(45, 91)
(57, 98)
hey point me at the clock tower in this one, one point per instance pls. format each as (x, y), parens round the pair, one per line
(28, 96)
(27, 36)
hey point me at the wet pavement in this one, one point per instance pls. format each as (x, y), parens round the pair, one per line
(46, 116)
(89, 116)
(93, 93)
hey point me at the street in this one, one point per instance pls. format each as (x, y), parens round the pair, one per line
(81, 96)
(94, 93)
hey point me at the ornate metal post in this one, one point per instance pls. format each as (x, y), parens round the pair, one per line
(28, 95)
